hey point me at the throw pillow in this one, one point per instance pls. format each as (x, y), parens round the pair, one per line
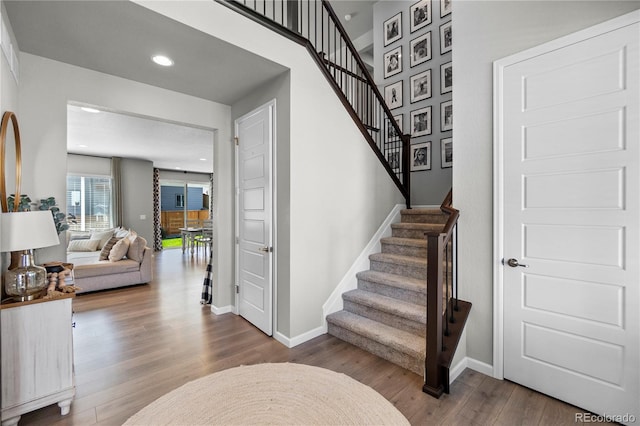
(121, 232)
(103, 237)
(119, 250)
(77, 235)
(136, 249)
(83, 245)
(104, 254)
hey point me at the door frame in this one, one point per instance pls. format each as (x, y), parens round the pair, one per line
(271, 105)
(498, 161)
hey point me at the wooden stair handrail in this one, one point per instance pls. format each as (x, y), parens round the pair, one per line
(436, 378)
(323, 63)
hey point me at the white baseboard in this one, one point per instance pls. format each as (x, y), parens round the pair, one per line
(471, 363)
(349, 281)
(222, 310)
(295, 341)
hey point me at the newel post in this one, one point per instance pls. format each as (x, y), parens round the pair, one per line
(433, 376)
(406, 167)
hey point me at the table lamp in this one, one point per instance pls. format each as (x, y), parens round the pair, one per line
(26, 231)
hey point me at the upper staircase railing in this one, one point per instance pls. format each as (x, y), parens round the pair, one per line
(314, 24)
(446, 314)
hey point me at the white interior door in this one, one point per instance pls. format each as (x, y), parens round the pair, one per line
(570, 191)
(254, 134)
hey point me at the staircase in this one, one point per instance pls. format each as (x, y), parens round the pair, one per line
(386, 314)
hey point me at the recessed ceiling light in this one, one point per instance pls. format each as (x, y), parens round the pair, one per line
(177, 168)
(92, 110)
(82, 146)
(162, 60)
(203, 159)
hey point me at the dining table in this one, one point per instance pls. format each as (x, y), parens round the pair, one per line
(188, 238)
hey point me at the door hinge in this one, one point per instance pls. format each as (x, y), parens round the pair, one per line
(237, 288)
(237, 240)
(236, 140)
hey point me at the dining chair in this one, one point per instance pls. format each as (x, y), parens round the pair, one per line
(204, 240)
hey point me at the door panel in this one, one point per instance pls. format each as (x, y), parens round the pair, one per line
(571, 193)
(255, 132)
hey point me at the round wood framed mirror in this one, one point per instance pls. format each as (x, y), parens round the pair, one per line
(7, 117)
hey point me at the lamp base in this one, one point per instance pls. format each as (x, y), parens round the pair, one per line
(27, 281)
(17, 299)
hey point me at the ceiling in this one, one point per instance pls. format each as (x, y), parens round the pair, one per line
(82, 33)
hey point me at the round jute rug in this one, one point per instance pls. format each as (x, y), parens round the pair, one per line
(271, 394)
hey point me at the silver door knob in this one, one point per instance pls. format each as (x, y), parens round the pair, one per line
(266, 249)
(514, 263)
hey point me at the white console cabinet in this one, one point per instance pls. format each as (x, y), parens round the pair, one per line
(37, 357)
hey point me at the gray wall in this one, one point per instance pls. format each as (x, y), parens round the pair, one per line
(486, 31)
(137, 197)
(428, 187)
(278, 89)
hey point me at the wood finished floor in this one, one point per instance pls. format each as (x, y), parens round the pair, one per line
(133, 345)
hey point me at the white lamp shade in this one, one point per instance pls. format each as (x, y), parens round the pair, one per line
(27, 230)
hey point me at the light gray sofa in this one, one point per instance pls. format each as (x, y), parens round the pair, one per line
(92, 274)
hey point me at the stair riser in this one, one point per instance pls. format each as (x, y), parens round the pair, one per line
(398, 269)
(397, 293)
(418, 234)
(423, 218)
(399, 358)
(417, 328)
(404, 250)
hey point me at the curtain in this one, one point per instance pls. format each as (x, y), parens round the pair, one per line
(116, 191)
(207, 285)
(157, 220)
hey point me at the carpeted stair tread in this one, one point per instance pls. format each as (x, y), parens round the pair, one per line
(389, 305)
(399, 340)
(423, 216)
(413, 242)
(426, 227)
(434, 210)
(399, 259)
(393, 280)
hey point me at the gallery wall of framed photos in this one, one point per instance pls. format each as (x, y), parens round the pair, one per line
(413, 70)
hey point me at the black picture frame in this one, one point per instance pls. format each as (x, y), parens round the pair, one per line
(392, 62)
(445, 7)
(419, 15)
(393, 158)
(393, 94)
(446, 153)
(421, 121)
(392, 135)
(420, 86)
(446, 38)
(420, 156)
(446, 78)
(392, 29)
(420, 49)
(446, 116)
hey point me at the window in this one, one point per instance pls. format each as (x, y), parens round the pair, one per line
(89, 201)
(179, 200)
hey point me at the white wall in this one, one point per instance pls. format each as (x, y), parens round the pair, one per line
(339, 192)
(8, 102)
(45, 88)
(485, 31)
